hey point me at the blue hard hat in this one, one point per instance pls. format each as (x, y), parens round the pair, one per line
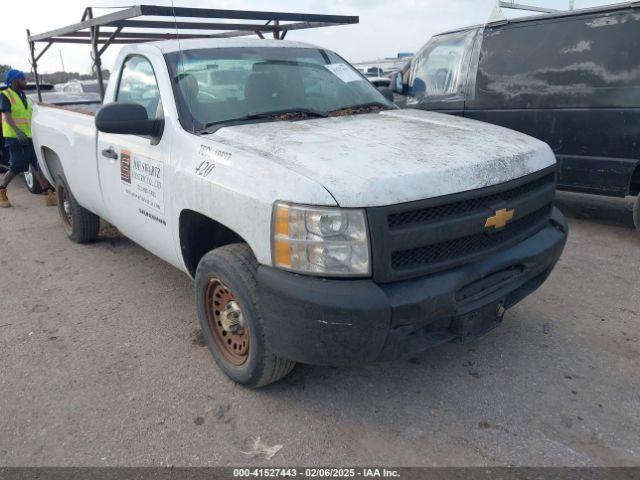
(13, 75)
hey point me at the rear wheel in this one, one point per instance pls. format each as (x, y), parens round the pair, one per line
(230, 318)
(32, 182)
(636, 213)
(80, 225)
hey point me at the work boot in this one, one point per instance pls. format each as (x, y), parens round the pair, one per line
(50, 199)
(4, 201)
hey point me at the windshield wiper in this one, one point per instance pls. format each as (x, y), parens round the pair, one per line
(275, 113)
(361, 106)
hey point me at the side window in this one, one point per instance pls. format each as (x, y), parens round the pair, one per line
(138, 84)
(440, 69)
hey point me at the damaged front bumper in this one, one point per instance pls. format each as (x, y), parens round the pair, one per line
(336, 322)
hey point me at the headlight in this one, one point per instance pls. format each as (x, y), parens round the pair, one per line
(320, 240)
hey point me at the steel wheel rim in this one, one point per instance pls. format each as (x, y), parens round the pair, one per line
(64, 207)
(227, 323)
(28, 177)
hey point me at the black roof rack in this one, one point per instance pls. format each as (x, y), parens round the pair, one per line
(115, 28)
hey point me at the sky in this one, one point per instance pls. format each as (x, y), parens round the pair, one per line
(386, 26)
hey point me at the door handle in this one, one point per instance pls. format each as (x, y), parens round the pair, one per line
(110, 153)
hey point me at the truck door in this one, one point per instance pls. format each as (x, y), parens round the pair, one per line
(134, 170)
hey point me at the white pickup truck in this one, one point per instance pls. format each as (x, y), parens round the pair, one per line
(321, 224)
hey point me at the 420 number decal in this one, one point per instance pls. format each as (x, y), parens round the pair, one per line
(205, 168)
(209, 154)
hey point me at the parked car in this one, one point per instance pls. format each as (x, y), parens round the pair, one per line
(380, 81)
(569, 79)
(81, 86)
(56, 97)
(321, 223)
(374, 72)
(45, 87)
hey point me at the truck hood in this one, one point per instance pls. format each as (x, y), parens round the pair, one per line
(393, 156)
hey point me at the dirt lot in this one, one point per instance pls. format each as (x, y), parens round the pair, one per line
(100, 364)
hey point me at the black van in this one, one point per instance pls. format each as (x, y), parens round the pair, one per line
(570, 79)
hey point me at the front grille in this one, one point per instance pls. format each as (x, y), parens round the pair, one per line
(464, 207)
(460, 247)
(419, 238)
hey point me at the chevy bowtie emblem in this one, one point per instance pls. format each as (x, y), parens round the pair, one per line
(500, 219)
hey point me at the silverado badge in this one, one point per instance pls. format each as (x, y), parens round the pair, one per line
(500, 219)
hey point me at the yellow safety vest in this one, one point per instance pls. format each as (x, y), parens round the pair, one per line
(21, 115)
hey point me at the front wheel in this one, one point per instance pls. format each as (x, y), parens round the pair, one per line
(636, 213)
(80, 225)
(230, 318)
(33, 185)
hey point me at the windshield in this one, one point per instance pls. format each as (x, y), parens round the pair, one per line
(440, 68)
(218, 86)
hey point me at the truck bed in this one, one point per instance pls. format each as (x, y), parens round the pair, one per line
(65, 134)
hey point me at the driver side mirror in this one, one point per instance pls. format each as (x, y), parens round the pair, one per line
(128, 118)
(398, 84)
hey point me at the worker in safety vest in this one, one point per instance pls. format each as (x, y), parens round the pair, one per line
(4, 155)
(16, 111)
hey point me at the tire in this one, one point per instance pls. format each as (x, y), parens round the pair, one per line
(228, 275)
(636, 213)
(32, 182)
(80, 225)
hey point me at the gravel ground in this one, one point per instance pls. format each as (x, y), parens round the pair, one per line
(101, 364)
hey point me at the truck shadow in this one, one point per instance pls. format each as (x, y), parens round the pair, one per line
(113, 239)
(486, 389)
(599, 209)
(437, 370)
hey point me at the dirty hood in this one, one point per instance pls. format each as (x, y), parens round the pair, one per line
(394, 156)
